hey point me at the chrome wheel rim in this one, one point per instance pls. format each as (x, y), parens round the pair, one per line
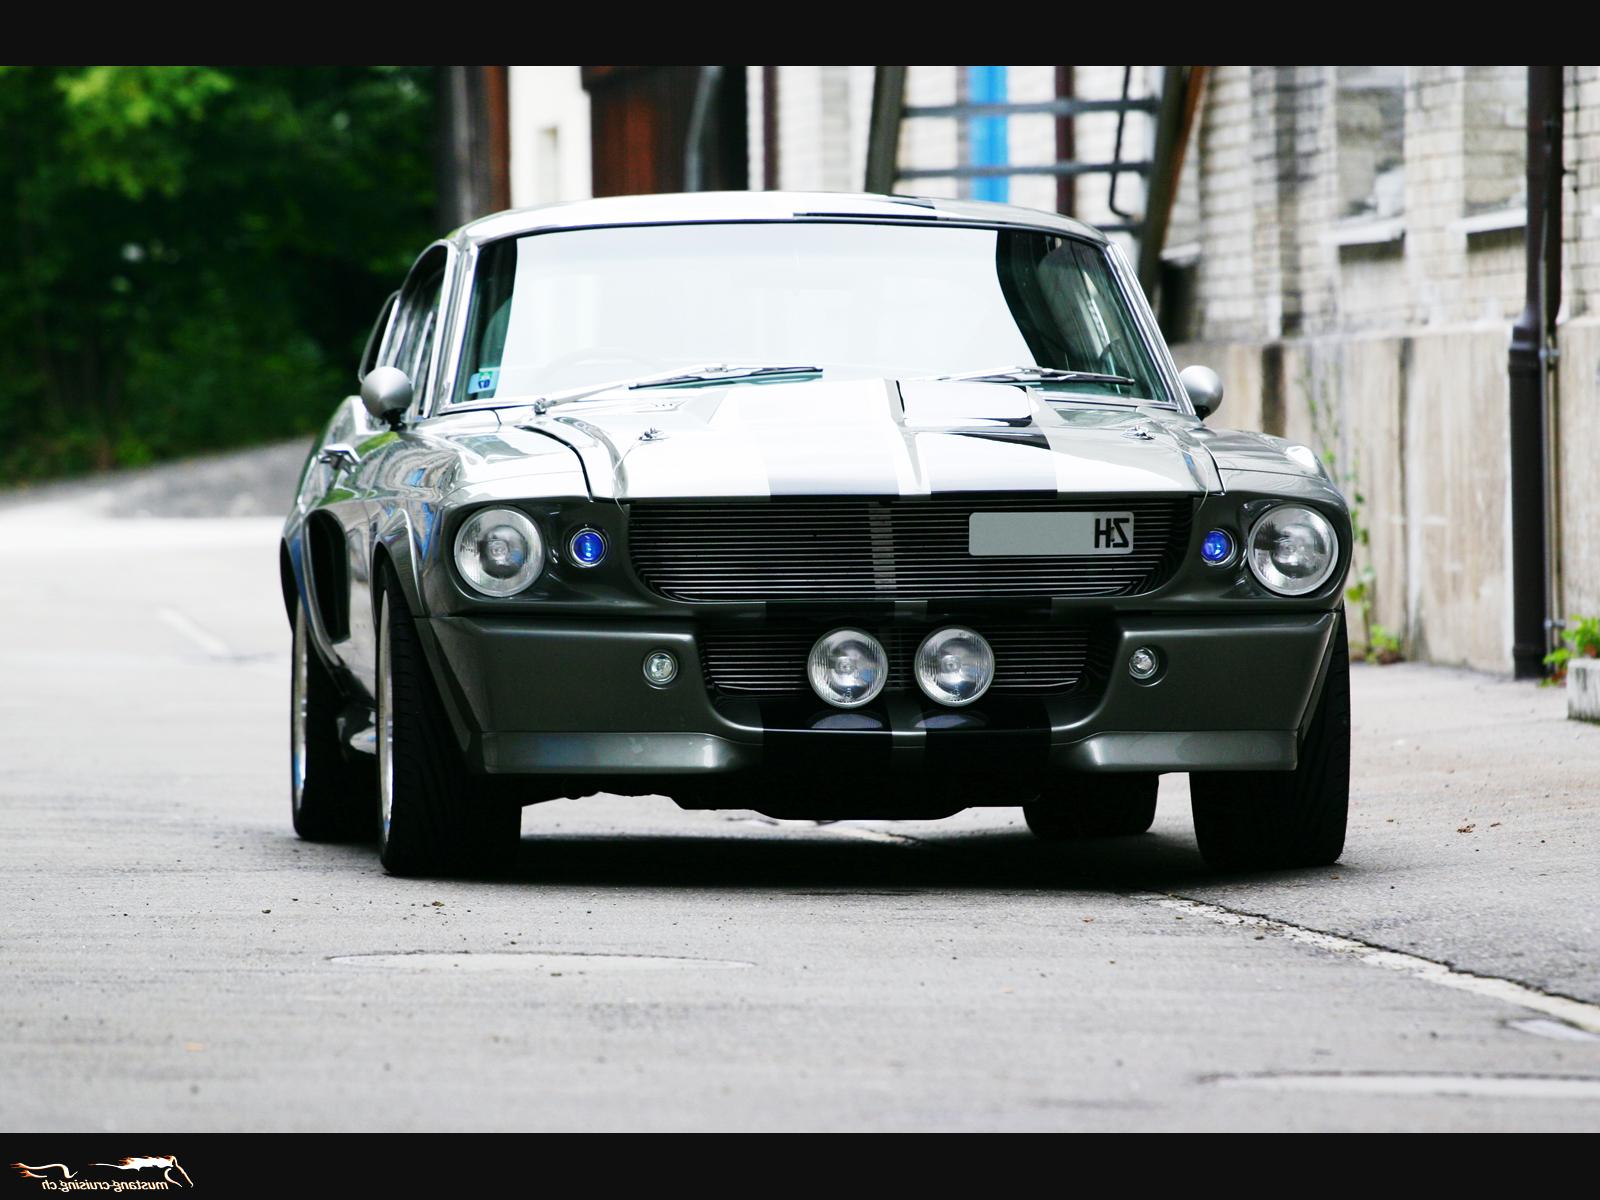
(385, 726)
(297, 710)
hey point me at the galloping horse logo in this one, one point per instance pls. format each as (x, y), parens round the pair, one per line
(167, 1164)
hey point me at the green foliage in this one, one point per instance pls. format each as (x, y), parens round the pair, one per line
(1383, 645)
(1582, 638)
(194, 255)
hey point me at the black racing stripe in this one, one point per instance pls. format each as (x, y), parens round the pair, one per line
(1022, 437)
(1001, 735)
(803, 736)
(856, 614)
(979, 611)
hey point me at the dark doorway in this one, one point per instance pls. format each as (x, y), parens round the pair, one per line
(640, 122)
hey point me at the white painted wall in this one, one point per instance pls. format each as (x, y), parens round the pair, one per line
(549, 136)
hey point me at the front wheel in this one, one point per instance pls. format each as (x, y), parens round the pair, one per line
(1088, 806)
(330, 791)
(1256, 820)
(434, 816)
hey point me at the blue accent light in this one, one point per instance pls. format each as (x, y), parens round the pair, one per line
(588, 547)
(1217, 548)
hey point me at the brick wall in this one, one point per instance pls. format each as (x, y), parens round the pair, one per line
(1378, 331)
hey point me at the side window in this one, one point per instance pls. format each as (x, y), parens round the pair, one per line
(416, 338)
(369, 356)
(409, 343)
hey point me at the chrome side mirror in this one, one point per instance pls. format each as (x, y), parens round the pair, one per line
(386, 393)
(1204, 387)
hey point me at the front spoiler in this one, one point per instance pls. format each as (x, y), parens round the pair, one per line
(670, 754)
(569, 698)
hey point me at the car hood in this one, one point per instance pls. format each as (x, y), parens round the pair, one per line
(1240, 450)
(869, 437)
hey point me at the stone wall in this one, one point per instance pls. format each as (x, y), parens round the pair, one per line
(1417, 429)
(1377, 331)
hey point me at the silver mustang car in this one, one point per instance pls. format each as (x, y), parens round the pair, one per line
(818, 505)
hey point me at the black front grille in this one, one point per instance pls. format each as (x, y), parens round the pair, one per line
(862, 549)
(771, 661)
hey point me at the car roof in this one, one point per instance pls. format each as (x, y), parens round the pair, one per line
(711, 207)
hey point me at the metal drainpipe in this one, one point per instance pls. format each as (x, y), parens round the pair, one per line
(694, 153)
(1532, 359)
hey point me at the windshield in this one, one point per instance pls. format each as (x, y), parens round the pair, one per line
(562, 311)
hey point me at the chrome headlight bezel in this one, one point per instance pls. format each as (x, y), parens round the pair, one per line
(1259, 558)
(468, 554)
(925, 667)
(817, 671)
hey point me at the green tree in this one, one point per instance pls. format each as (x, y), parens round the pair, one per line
(196, 253)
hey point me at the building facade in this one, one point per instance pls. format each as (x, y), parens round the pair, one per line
(1346, 247)
(1353, 242)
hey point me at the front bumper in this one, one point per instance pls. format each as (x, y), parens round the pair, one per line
(569, 698)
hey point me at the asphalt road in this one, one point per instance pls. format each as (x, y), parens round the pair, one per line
(171, 957)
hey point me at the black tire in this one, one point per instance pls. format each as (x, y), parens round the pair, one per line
(441, 819)
(1259, 820)
(330, 790)
(1090, 806)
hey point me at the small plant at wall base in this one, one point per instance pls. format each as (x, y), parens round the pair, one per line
(1582, 638)
(1383, 646)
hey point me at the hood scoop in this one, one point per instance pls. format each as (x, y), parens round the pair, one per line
(929, 404)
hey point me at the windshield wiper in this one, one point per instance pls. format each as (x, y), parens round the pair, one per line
(704, 373)
(719, 371)
(1041, 374)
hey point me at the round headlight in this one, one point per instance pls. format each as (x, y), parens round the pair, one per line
(847, 668)
(499, 551)
(954, 666)
(1292, 550)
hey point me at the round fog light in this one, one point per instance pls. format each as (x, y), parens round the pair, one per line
(1143, 663)
(954, 666)
(847, 668)
(660, 669)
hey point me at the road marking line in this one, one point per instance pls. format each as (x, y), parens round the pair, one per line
(210, 643)
(1574, 1012)
(1558, 1030)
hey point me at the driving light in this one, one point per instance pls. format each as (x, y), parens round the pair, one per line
(1292, 550)
(587, 547)
(499, 551)
(660, 669)
(954, 666)
(1143, 663)
(1217, 548)
(847, 668)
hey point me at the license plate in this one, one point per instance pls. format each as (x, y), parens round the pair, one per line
(1029, 534)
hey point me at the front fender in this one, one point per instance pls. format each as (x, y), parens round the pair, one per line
(396, 544)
